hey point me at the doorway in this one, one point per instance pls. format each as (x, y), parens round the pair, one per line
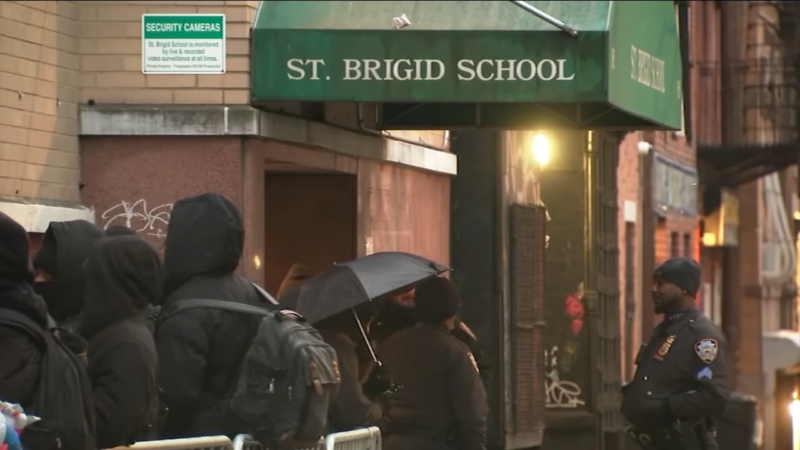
(310, 218)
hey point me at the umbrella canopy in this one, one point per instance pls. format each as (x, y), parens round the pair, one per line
(350, 284)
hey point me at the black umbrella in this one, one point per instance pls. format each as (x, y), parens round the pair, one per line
(350, 284)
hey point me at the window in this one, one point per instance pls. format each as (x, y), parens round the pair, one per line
(675, 245)
(688, 250)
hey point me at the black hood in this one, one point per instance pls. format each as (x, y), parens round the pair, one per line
(205, 237)
(16, 272)
(123, 277)
(63, 253)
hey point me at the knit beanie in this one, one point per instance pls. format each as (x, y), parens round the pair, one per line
(682, 272)
(435, 300)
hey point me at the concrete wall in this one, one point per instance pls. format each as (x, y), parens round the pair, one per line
(39, 86)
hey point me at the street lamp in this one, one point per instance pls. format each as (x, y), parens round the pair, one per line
(541, 149)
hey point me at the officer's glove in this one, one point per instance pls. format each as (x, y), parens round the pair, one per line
(379, 381)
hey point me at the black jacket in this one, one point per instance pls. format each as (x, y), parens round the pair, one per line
(683, 373)
(123, 278)
(63, 253)
(20, 357)
(200, 350)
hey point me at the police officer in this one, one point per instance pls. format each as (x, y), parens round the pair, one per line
(441, 402)
(683, 374)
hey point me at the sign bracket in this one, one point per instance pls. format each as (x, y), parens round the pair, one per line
(546, 17)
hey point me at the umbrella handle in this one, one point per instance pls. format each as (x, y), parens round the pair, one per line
(366, 338)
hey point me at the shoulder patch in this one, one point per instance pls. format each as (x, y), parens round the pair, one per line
(706, 350)
(474, 363)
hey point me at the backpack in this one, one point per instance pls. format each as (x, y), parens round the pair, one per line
(287, 378)
(64, 397)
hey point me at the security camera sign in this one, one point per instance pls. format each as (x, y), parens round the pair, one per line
(183, 44)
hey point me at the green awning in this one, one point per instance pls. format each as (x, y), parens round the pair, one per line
(466, 64)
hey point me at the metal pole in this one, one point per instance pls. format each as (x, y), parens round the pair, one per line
(546, 17)
(366, 338)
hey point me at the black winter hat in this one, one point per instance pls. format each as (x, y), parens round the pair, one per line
(682, 272)
(435, 300)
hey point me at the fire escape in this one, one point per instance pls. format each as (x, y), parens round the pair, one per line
(753, 130)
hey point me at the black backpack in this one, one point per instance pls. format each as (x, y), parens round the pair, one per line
(286, 380)
(64, 396)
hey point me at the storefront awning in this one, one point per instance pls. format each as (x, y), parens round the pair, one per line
(467, 64)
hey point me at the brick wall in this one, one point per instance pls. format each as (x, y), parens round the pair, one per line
(39, 81)
(628, 190)
(671, 145)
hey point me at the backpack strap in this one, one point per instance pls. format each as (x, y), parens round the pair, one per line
(18, 320)
(184, 305)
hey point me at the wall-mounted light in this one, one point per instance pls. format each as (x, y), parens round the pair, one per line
(709, 239)
(257, 262)
(541, 149)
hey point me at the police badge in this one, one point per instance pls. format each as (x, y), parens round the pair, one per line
(706, 350)
(662, 352)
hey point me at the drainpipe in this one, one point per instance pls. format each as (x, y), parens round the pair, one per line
(387, 135)
(732, 34)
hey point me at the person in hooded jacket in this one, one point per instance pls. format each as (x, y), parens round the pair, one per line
(123, 278)
(120, 230)
(21, 357)
(154, 308)
(350, 408)
(200, 350)
(59, 265)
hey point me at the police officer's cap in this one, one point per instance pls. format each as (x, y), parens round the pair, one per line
(435, 300)
(682, 272)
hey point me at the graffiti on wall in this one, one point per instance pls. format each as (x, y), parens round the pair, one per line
(564, 359)
(140, 217)
(559, 393)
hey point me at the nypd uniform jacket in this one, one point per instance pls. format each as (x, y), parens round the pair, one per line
(683, 373)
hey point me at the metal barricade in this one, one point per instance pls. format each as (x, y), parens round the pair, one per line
(362, 439)
(199, 443)
(246, 442)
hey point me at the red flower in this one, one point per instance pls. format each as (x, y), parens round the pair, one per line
(573, 308)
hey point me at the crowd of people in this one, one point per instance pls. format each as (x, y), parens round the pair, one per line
(86, 345)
